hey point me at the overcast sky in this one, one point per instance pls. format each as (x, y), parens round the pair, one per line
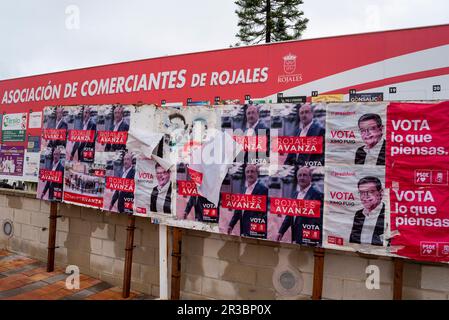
(40, 36)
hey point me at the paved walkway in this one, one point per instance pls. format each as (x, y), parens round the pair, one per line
(23, 278)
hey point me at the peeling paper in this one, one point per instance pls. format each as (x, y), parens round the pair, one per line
(141, 142)
(213, 174)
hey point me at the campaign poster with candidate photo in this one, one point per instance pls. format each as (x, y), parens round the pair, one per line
(53, 153)
(355, 134)
(357, 209)
(84, 184)
(249, 125)
(112, 125)
(154, 188)
(82, 127)
(189, 204)
(297, 134)
(54, 132)
(51, 173)
(296, 204)
(244, 201)
(119, 182)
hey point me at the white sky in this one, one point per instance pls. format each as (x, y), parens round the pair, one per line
(34, 37)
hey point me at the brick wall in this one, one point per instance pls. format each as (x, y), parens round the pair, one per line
(213, 266)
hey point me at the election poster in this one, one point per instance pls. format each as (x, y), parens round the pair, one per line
(119, 182)
(51, 173)
(356, 209)
(250, 127)
(84, 184)
(55, 125)
(355, 134)
(12, 160)
(154, 188)
(14, 127)
(190, 205)
(83, 180)
(418, 174)
(112, 125)
(297, 134)
(53, 153)
(296, 204)
(244, 201)
(81, 134)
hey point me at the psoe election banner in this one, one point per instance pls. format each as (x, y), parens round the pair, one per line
(417, 173)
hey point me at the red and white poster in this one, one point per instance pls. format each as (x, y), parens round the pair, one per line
(190, 205)
(417, 174)
(244, 201)
(296, 204)
(153, 188)
(119, 182)
(112, 126)
(356, 209)
(53, 152)
(82, 127)
(355, 134)
(84, 184)
(249, 126)
(297, 134)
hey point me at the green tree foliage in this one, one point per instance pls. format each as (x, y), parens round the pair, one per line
(269, 20)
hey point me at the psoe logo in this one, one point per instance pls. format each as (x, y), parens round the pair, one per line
(423, 177)
(428, 248)
(289, 69)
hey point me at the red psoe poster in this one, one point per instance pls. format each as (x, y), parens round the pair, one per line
(417, 175)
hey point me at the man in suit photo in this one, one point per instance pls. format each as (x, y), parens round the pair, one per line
(128, 172)
(118, 125)
(81, 147)
(253, 187)
(205, 211)
(255, 127)
(160, 201)
(308, 128)
(253, 123)
(51, 186)
(60, 124)
(371, 131)
(305, 191)
(368, 225)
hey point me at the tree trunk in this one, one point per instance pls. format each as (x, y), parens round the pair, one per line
(268, 22)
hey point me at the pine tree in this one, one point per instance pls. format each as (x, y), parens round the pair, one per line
(269, 20)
